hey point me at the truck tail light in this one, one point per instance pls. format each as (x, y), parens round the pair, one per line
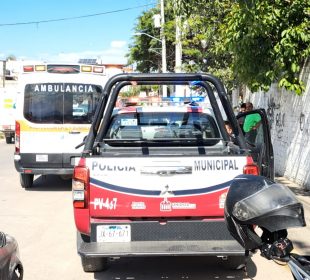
(251, 168)
(17, 137)
(80, 182)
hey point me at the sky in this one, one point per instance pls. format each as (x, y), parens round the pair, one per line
(103, 31)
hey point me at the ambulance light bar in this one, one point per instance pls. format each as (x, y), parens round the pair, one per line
(64, 69)
(86, 68)
(98, 69)
(28, 68)
(40, 68)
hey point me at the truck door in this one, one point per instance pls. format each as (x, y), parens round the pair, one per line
(258, 140)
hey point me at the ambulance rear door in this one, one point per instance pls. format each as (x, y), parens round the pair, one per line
(56, 116)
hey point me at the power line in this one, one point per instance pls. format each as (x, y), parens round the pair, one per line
(77, 17)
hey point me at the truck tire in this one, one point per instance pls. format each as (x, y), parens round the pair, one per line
(94, 264)
(26, 180)
(233, 262)
(18, 273)
(236, 262)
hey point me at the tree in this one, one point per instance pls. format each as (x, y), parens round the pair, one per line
(201, 38)
(251, 42)
(145, 51)
(11, 57)
(200, 23)
(269, 42)
(139, 51)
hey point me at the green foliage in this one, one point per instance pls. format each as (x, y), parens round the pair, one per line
(145, 51)
(139, 52)
(269, 42)
(201, 39)
(11, 57)
(133, 91)
(252, 42)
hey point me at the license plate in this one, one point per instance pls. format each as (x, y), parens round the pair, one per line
(113, 233)
(42, 158)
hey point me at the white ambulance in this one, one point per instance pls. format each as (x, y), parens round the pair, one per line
(48, 127)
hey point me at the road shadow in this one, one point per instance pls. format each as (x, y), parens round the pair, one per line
(175, 268)
(300, 191)
(302, 246)
(51, 183)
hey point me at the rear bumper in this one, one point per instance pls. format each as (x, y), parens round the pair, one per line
(27, 163)
(46, 171)
(162, 248)
(42, 171)
(178, 238)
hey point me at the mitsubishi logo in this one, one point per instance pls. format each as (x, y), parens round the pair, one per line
(166, 192)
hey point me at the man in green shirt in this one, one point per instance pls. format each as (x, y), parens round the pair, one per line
(251, 124)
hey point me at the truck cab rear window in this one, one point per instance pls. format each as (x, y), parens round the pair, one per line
(61, 103)
(162, 125)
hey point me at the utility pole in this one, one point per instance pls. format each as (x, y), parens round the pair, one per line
(178, 45)
(178, 38)
(163, 43)
(178, 48)
(3, 71)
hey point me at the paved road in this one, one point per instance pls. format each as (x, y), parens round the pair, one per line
(41, 219)
(300, 236)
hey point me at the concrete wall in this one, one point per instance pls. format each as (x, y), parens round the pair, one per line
(289, 117)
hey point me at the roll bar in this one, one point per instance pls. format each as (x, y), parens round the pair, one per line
(115, 83)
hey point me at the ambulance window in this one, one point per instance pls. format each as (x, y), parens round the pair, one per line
(61, 103)
(42, 106)
(79, 107)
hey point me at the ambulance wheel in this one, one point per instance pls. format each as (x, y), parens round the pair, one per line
(94, 264)
(26, 180)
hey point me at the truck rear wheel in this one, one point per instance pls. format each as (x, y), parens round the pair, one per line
(26, 180)
(94, 264)
(236, 262)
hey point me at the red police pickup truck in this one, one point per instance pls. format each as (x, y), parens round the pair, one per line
(154, 173)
